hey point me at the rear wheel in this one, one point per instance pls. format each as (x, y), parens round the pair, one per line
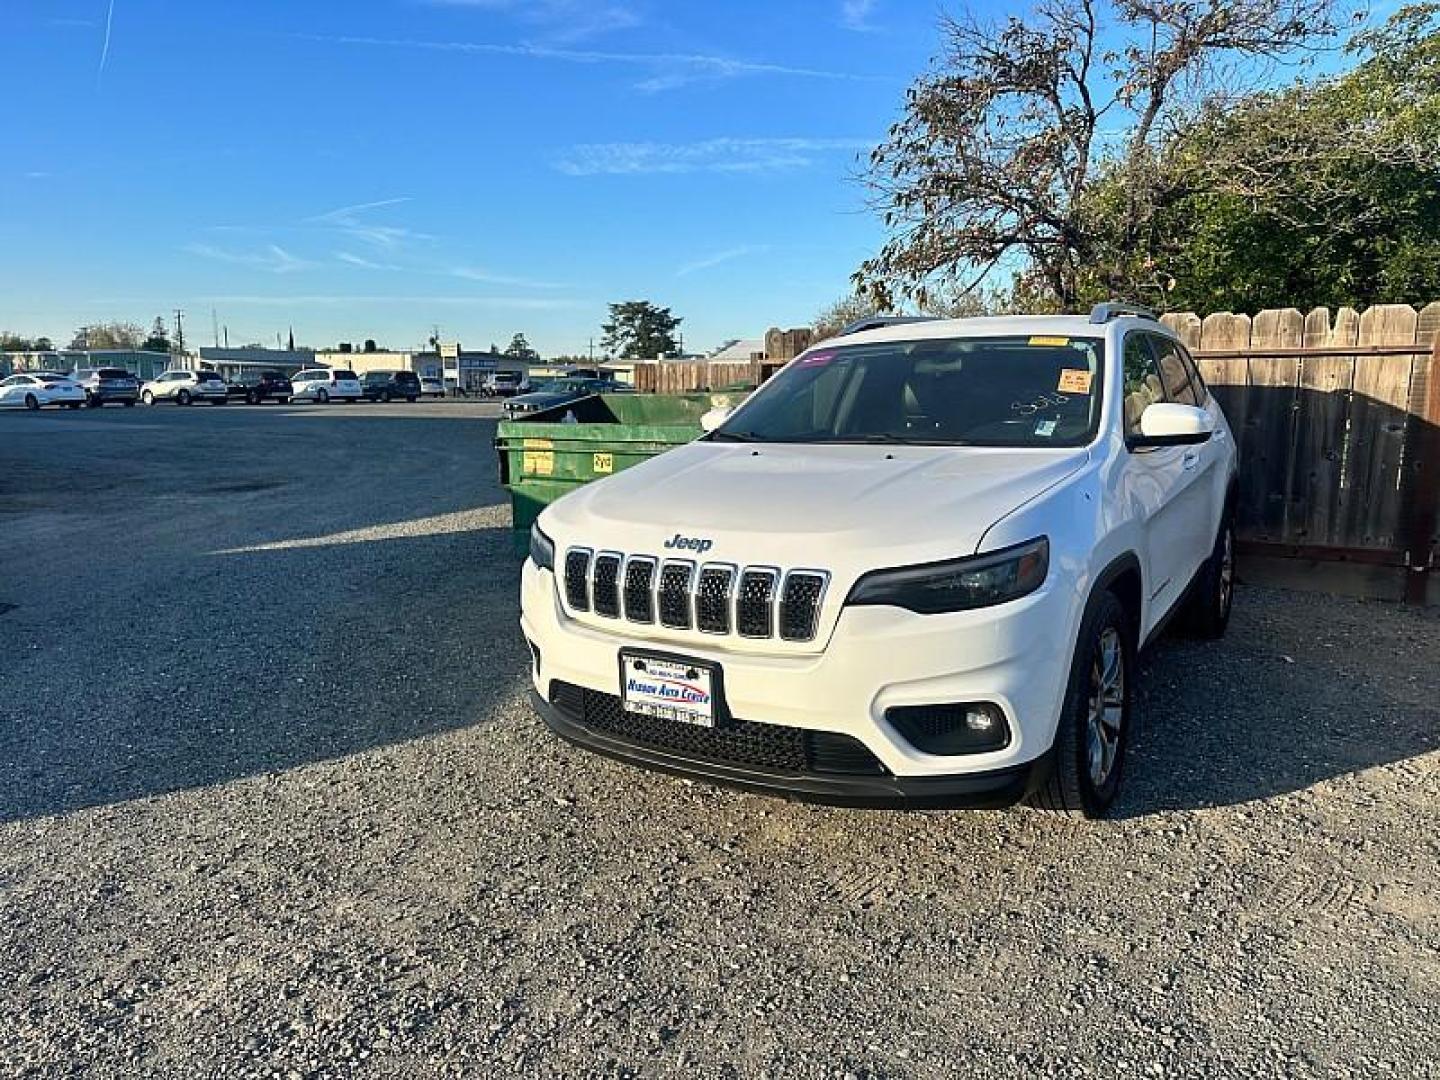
(385, 397)
(183, 397)
(31, 401)
(1208, 609)
(148, 398)
(1089, 752)
(322, 396)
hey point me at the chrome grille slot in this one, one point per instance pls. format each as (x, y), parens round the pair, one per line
(754, 601)
(674, 592)
(605, 588)
(577, 579)
(639, 588)
(715, 598)
(800, 604)
(712, 599)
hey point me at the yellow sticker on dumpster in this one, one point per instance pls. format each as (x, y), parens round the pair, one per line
(1074, 381)
(538, 462)
(1059, 342)
(538, 444)
(603, 463)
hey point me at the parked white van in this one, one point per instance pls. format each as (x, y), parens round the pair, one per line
(325, 384)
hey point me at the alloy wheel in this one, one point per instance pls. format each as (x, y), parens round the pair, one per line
(1106, 706)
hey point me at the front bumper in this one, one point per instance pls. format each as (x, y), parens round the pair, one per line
(991, 790)
(1016, 657)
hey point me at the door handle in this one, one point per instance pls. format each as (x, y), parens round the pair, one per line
(1191, 459)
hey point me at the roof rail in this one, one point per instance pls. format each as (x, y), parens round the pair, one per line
(1103, 313)
(875, 322)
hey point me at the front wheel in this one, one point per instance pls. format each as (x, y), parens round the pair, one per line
(31, 401)
(322, 396)
(1208, 609)
(183, 397)
(1089, 752)
(148, 398)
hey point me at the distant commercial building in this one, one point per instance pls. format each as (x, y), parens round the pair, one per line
(238, 362)
(139, 362)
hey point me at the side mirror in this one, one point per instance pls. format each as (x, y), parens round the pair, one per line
(714, 418)
(1168, 423)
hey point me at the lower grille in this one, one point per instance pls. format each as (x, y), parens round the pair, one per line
(773, 747)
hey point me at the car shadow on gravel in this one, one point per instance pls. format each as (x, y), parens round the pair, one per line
(289, 654)
(1305, 688)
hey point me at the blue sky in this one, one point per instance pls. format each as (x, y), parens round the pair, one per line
(372, 168)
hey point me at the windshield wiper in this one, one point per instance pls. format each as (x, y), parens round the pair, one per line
(734, 436)
(877, 438)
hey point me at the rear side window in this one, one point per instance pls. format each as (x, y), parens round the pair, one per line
(342, 374)
(208, 376)
(1173, 372)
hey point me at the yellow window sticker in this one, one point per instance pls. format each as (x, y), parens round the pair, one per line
(1074, 381)
(602, 463)
(1058, 342)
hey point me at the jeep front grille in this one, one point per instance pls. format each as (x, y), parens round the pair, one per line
(713, 598)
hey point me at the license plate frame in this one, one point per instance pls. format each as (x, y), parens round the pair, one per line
(674, 669)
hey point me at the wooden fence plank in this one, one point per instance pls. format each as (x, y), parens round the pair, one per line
(1322, 419)
(1186, 325)
(1370, 482)
(1428, 324)
(1267, 433)
(1317, 328)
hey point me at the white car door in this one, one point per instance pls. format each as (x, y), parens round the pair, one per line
(12, 392)
(1205, 463)
(1155, 479)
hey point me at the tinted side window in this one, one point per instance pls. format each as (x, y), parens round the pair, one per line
(1173, 372)
(1195, 379)
(1143, 387)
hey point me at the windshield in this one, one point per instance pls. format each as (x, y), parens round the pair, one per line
(975, 391)
(208, 376)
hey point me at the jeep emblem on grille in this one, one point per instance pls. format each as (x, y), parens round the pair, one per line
(689, 543)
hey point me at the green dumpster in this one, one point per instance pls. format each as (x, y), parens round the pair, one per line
(545, 454)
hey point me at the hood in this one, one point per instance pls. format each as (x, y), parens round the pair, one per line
(798, 505)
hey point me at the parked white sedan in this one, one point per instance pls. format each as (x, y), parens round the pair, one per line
(36, 389)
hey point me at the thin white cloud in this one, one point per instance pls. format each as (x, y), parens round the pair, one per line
(272, 258)
(485, 277)
(518, 303)
(105, 48)
(709, 155)
(561, 21)
(855, 15)
(672, 69)
(728, 255)
(364, 264)
(347, 213)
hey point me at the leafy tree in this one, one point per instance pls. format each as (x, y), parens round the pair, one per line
(11, 342)
(159, 339)
(42, 344)
(1342, 210)
(995, 159)
(520, 349)
(108, 335)
(639, 330)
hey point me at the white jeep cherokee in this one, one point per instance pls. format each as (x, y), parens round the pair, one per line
(912, 570)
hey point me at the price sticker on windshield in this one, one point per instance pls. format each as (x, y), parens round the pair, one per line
(1074, 381)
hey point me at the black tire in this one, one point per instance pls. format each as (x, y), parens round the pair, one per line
(283, 400)
(322, 396)
(252, 398)
(1088, 758)
(148, 398)
(385, 396)
(32, 402)
(411, 400)
(1207, 611)
(183, 397)
(91, 401)
(74, 404)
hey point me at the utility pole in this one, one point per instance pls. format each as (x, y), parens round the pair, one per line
(227, 336)
(592, 350)
(179, 332)
(215, 326)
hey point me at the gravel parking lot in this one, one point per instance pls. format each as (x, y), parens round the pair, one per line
(272, 804)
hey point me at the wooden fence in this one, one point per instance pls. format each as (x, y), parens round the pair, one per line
(687, 377)
(1338, 424)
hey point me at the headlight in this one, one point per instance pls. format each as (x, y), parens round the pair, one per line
(542, 549)
(958, 584)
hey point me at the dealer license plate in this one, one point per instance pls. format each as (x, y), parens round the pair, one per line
(679, 690)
